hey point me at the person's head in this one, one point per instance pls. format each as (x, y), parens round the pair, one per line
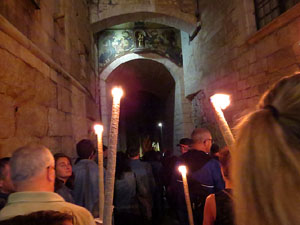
(63, 166)
(152, 156)
(202, 139)
(122, 165)
(266, 159)
(6, 185)
(225, 161)
(184, 145)
(85, 149)
(214, 150)
(48, 217)
(133, 152)
(32, 169)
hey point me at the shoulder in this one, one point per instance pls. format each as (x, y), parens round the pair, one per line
(81, 215)
(214, 163)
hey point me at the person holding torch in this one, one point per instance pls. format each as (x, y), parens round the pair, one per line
(204, 175)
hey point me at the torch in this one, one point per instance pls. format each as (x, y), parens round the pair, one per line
(99, 130)
(182, 170)
(222, 101)
(112, 153)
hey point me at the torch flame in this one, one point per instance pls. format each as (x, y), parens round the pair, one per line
(117, 92)
(182, 169)
(98, 129)
(220, 100)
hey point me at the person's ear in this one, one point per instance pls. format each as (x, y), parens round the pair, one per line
(51, 174)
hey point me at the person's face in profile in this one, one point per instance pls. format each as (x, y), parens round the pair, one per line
(63, 168)
(183, 148)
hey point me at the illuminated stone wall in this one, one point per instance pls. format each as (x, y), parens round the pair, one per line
(230, 55)
(47, 80)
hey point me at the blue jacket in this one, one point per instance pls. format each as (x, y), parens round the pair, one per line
(204, 170)
(86, 191)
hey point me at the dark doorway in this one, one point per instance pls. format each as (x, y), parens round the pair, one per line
(148, 101)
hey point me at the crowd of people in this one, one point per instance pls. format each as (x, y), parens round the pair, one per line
(255, 182)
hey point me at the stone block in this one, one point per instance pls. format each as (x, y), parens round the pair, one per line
(7, 117)
(80, 128)
(69, 146)
(21, 96)
(32, 120)
(266, 46)
(289, 34)
(8, 146)
(53, 143)
(15, 72)
(60, 123)
(78, 104)
(46, 92)
(92, 111)
(259, 66)
(296, 48)
(257, 79)
(251, 92)
(64, 99)
(53, 76)
(281, 59)
(242, 85)
(3, 88)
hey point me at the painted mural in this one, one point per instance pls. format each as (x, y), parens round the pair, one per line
(115, 43)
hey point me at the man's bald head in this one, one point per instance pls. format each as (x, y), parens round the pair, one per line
(202, 139)
(33, 165)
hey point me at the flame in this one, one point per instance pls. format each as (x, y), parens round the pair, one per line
(98, 129)
(182, 169)
(117, 92)
(220, 100)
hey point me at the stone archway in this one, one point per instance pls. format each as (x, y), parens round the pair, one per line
(182, 107)
(170, 16)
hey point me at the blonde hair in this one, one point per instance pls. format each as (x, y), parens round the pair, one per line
(266, 159)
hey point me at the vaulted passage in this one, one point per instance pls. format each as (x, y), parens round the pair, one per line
(149, 100)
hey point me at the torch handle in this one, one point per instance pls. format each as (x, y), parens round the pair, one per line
(187, 199)
(223, 125)
(101, 176)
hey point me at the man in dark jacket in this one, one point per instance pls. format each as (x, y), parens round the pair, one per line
(86, 192)
(145, 183)
(204, 173)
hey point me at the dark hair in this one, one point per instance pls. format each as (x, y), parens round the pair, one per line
(152, 156)
(85, 148)
(133, 151)
(48, 217)
(58, 183)
(122, 165)
(225, 161)
(61, 155)
(3, 163)
(214, 149)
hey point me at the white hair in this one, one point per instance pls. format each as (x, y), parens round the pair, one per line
(26, 162)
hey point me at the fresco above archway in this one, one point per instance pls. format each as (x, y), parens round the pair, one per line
(165, 41)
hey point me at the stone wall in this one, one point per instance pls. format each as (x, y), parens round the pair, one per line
(186, 6)
(230, 55)
(47, 81)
